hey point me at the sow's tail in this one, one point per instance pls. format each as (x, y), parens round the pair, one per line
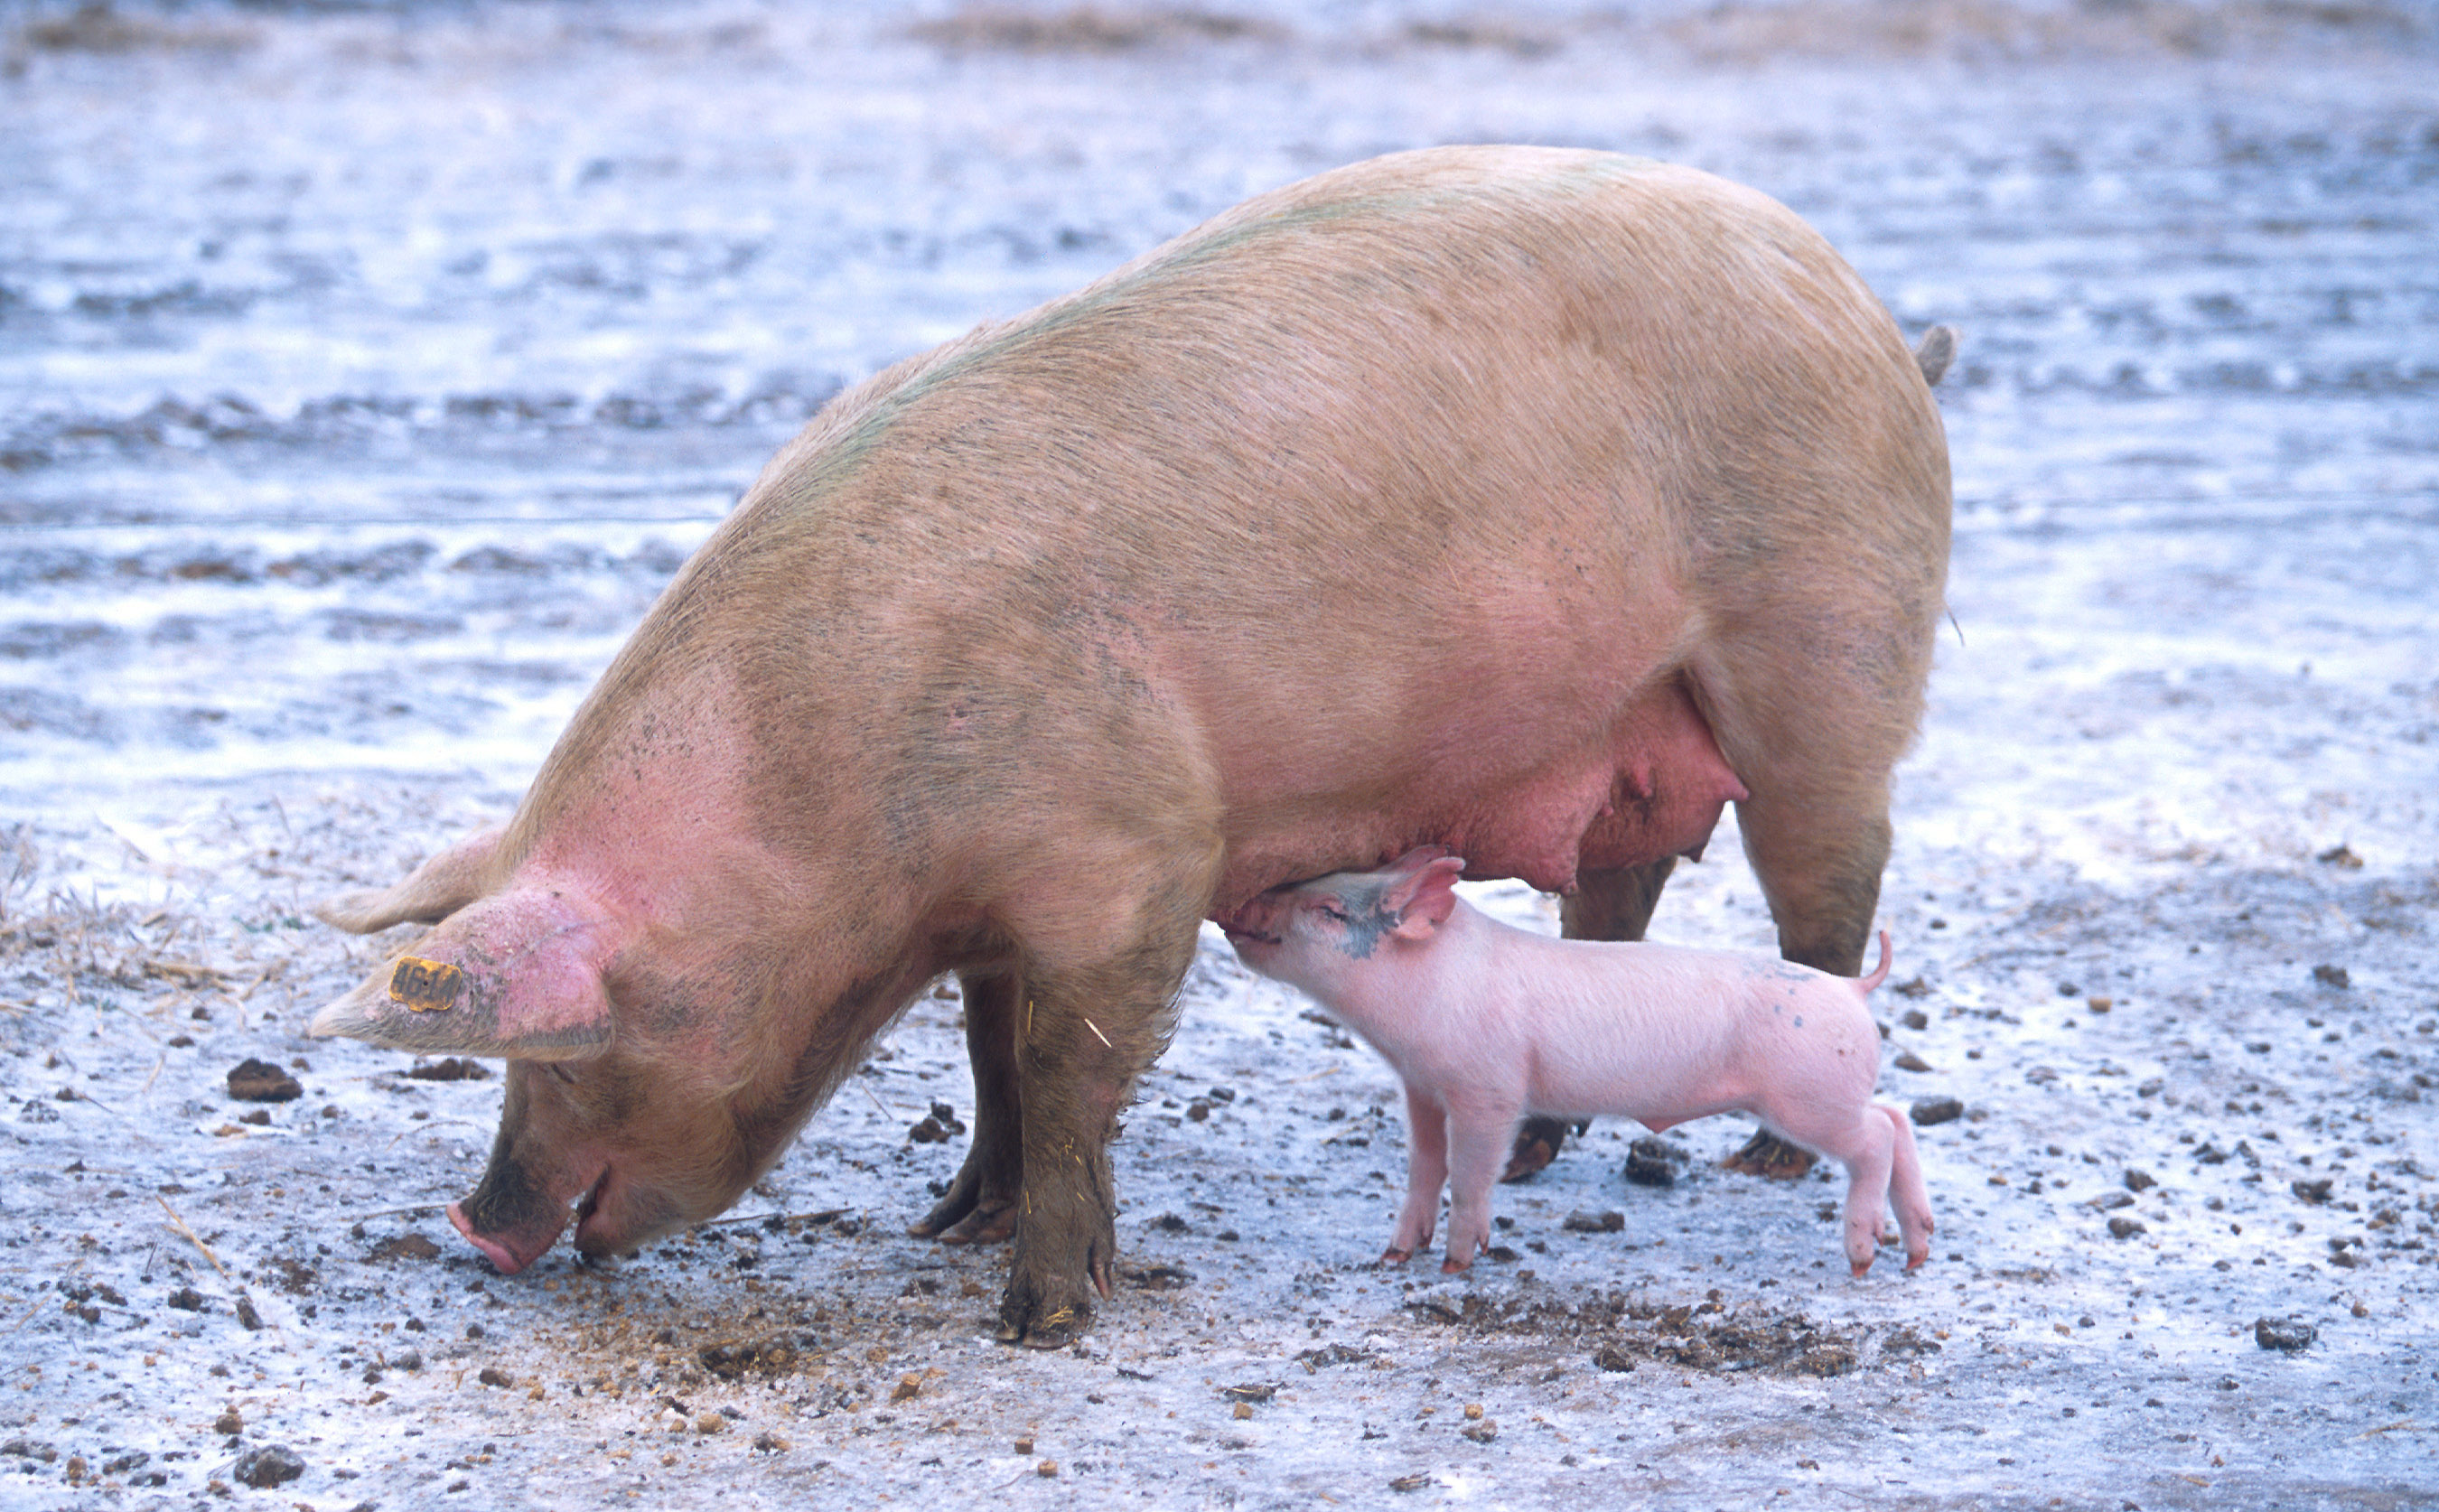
(1863, 985)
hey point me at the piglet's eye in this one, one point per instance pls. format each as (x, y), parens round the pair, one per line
(1335, 912)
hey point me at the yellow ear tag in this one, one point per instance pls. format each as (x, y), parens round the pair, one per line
(426, 986)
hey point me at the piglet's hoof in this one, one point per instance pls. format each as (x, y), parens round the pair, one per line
(1396, 1257)
(1766, 1154)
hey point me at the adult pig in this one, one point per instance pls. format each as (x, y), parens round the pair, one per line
(1486, 1024)
(1533, 503)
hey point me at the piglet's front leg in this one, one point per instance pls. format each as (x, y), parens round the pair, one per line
(1426, 1173)
(1478, 1142)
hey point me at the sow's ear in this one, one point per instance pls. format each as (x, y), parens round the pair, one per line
(431, 893)
(1424, 900)
(518, 974)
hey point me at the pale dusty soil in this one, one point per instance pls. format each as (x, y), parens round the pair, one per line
(363, 373)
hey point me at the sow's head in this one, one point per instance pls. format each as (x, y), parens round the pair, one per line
(616, 1111)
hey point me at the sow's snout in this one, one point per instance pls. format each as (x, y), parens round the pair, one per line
(544, 1169)
(517, 1210)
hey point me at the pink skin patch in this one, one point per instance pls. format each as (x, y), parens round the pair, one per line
(503, 1259)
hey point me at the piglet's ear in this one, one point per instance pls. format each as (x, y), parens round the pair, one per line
(517, 974)
(1424, 900)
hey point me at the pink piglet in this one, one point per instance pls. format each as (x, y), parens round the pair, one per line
(1486, 1023)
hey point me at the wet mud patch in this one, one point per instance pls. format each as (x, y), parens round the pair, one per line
(1715, 1336)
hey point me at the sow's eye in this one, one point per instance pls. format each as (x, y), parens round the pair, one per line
(563, 1073)
(1333, 911)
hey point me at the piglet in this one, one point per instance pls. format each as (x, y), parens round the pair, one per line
(1487, 1023)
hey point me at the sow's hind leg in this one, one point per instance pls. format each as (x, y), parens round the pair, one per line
(1605, 905)
(1819, 856)
(980, 1207)
(1814, 731)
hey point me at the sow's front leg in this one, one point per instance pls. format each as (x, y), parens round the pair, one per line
(1082, 1039)
(980, 1207)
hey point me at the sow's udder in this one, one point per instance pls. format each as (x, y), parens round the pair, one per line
(1655, 792)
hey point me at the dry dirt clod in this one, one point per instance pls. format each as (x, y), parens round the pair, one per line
(262, 1081)
(454, 1068)
(1930, 1110)
(229, 1421)
(1584, 1220)
(1047, 1469)
(272, 1465)
(1654, 1162)
(1908, 1061)
(2286, 1335)
(405, 1247)
(2125, 1228)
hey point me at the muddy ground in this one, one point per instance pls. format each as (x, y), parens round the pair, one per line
(364, 370)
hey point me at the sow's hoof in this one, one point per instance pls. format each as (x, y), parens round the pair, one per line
(967, 1216)
(984, 1223)
(1049, 1303)
(1042, 1318)
(1537, 1146)
(1766, 1154)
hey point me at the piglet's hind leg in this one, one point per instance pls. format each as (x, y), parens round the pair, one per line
(1866, 1154)
(1907, 1193)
